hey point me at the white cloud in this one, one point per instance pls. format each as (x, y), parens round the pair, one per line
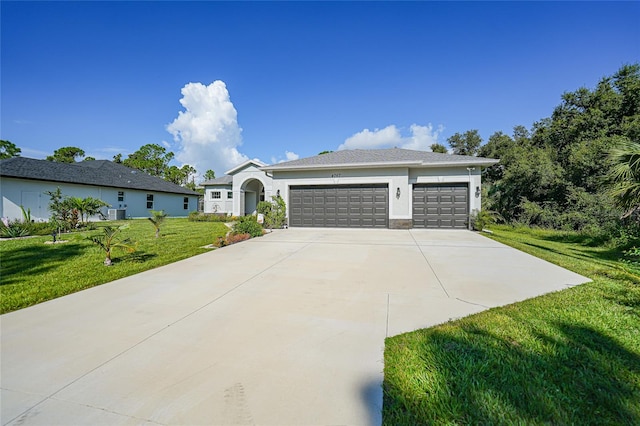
(207, 132)
(288, 156)
(421, 138)
(291, 155)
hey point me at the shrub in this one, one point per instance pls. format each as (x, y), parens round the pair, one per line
(13, 230)
(247, 225)
(274, 212)
(210, 217)
(483, 218)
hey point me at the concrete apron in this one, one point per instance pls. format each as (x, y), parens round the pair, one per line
(287, 329)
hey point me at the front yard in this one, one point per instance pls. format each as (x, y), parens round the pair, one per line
(33, 272)
(570, 357)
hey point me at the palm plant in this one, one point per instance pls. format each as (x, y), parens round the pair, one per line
(624, 176)
(107, 242)
(157, 218)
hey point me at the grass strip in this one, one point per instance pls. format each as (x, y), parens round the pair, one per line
(569, 357)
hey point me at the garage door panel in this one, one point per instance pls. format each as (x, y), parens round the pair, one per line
(339, 206)
(440, 205)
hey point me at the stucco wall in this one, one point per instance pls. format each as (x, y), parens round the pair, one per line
(242, 179)
(401, 177)
(31, 194)
(224, 204)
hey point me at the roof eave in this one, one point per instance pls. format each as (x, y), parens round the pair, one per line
(388, 164)
(379, 165)
(243, 165)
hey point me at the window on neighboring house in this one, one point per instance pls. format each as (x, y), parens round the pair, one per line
(229, 195)
(150, 201)
(215, 195)
(120, 196)
(185, 201)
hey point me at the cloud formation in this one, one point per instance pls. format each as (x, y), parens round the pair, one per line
(421, 138)
(288, 156)
(207, 131)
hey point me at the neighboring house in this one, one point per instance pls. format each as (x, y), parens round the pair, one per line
(218, 195)
(130, 193)
(379, 188)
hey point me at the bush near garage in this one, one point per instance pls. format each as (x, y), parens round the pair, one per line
(247, 225)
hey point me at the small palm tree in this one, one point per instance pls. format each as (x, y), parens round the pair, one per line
(624, 176)
(107, 241)
(157, 219)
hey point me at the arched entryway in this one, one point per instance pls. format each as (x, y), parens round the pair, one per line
(252, 194)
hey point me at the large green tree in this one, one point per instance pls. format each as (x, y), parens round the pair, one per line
(466, 143)
(209, 175)
(8, 150)
(557, 174)
(151, 158)
(436, 147)
(67, 154)
(179, 175)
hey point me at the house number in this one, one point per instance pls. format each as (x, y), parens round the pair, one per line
(336, 175)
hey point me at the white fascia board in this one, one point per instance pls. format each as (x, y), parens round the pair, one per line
(239, 167)
(385, 164)
(484, 163)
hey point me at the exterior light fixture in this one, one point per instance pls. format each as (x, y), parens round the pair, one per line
(278, 193)
(398, 192)
(477, 191)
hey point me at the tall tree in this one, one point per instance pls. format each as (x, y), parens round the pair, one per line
(179, 175)
(209, 175)
(436, 147)
(151, 158)
(117, 158)
(467, 143)
(8, 150)
(67, 154)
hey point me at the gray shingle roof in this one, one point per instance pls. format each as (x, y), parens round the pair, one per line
(381, 158)
(224, 180)
(96, 172)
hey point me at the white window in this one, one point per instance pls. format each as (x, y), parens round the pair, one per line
(229, 195)
(215, 195)
(120, 196)
(150, 201)
(185, 201)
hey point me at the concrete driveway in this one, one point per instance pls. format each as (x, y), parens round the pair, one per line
(287, 329)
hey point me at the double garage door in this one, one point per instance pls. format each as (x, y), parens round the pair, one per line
(367, 206)
(440, 205)
(340, 206)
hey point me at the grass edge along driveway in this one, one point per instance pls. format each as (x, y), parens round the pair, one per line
(33, 272)
(569, 357)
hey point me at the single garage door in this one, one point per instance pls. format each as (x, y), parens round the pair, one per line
(440, 205)
(344, 206)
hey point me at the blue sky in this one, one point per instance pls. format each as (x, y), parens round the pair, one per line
(219, 82)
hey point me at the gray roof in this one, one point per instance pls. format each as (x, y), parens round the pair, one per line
(95, 172)
(392, 157)
(224, 180)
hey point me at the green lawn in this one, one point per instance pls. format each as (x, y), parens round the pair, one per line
(570, 357)
(32, 271)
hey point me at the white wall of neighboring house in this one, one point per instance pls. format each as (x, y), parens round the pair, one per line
(224, 204)
(31, 195)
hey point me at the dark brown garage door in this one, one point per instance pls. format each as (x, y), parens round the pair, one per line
(342, 206)
(440, 205)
